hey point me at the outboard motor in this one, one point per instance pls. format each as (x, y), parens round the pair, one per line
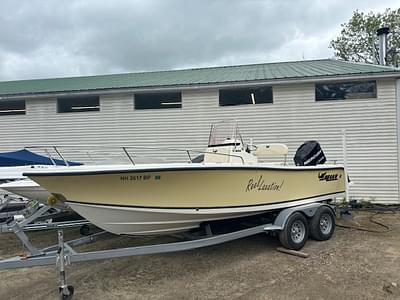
(309, 154)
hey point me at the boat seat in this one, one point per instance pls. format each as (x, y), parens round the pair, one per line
(264, 150)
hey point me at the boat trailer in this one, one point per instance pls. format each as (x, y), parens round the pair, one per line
(26, 220)
(288, 223)
(11, 206)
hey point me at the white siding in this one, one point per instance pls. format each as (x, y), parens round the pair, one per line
(294, 117)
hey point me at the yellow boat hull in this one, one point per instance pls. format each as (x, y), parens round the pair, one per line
(137, 200)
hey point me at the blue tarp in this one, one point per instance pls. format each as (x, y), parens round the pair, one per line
(25, 157)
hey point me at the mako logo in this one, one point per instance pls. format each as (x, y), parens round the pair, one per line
(323, 176)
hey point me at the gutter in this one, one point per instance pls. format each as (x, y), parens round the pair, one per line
(204, 86)
(398, 134)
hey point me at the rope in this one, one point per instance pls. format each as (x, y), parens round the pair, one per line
(378, 210)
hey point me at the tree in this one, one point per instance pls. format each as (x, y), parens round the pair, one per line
(358, 41)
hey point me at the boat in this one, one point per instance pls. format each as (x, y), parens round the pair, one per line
(12, 166)
(29, 189)
(226, 181)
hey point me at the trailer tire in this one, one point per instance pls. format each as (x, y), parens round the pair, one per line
(295, 233)
(322, 224)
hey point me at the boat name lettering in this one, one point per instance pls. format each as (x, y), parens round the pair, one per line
(323, 176)
(260, 185)
(134, 177)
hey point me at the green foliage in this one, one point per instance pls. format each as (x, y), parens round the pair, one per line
(358, 41)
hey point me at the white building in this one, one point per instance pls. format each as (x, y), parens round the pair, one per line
(288, 102)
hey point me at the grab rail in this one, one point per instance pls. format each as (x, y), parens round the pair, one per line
(124, 150)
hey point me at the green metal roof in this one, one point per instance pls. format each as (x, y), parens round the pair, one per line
(216, 75)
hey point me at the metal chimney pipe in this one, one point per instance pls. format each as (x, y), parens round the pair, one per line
(382, 34)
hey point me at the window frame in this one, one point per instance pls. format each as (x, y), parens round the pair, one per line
(338, 83)
(157, 102)
(243, 90)
(90, 108)
(13, 111)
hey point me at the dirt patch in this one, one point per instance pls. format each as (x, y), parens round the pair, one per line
(352, 265)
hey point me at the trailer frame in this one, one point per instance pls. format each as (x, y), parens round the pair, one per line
(64, 254)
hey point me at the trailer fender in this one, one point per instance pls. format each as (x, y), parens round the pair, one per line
(308, 210)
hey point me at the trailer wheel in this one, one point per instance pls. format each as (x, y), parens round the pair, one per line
(295, 233)
(322, 224)
(70, 291)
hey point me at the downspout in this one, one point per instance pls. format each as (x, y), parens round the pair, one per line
(398, 135)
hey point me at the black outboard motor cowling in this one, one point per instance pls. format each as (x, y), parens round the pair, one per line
(309, 154)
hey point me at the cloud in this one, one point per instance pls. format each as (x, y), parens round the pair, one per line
(44, 38)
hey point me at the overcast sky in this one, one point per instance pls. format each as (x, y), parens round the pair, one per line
(50, 38)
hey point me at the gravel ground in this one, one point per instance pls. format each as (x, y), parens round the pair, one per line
(352, 265)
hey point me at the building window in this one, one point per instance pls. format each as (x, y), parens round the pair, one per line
(12, 107)
(158, 100)
(345, 90)
(78, 104)
(239, 96)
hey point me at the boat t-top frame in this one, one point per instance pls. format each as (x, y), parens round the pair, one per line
(225, 133)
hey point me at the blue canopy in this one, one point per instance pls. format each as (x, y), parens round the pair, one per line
(25, 157)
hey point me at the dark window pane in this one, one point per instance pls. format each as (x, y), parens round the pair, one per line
(12, 107)
(78, 104)
(241, 96)
(345, 90)
(158, 100)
